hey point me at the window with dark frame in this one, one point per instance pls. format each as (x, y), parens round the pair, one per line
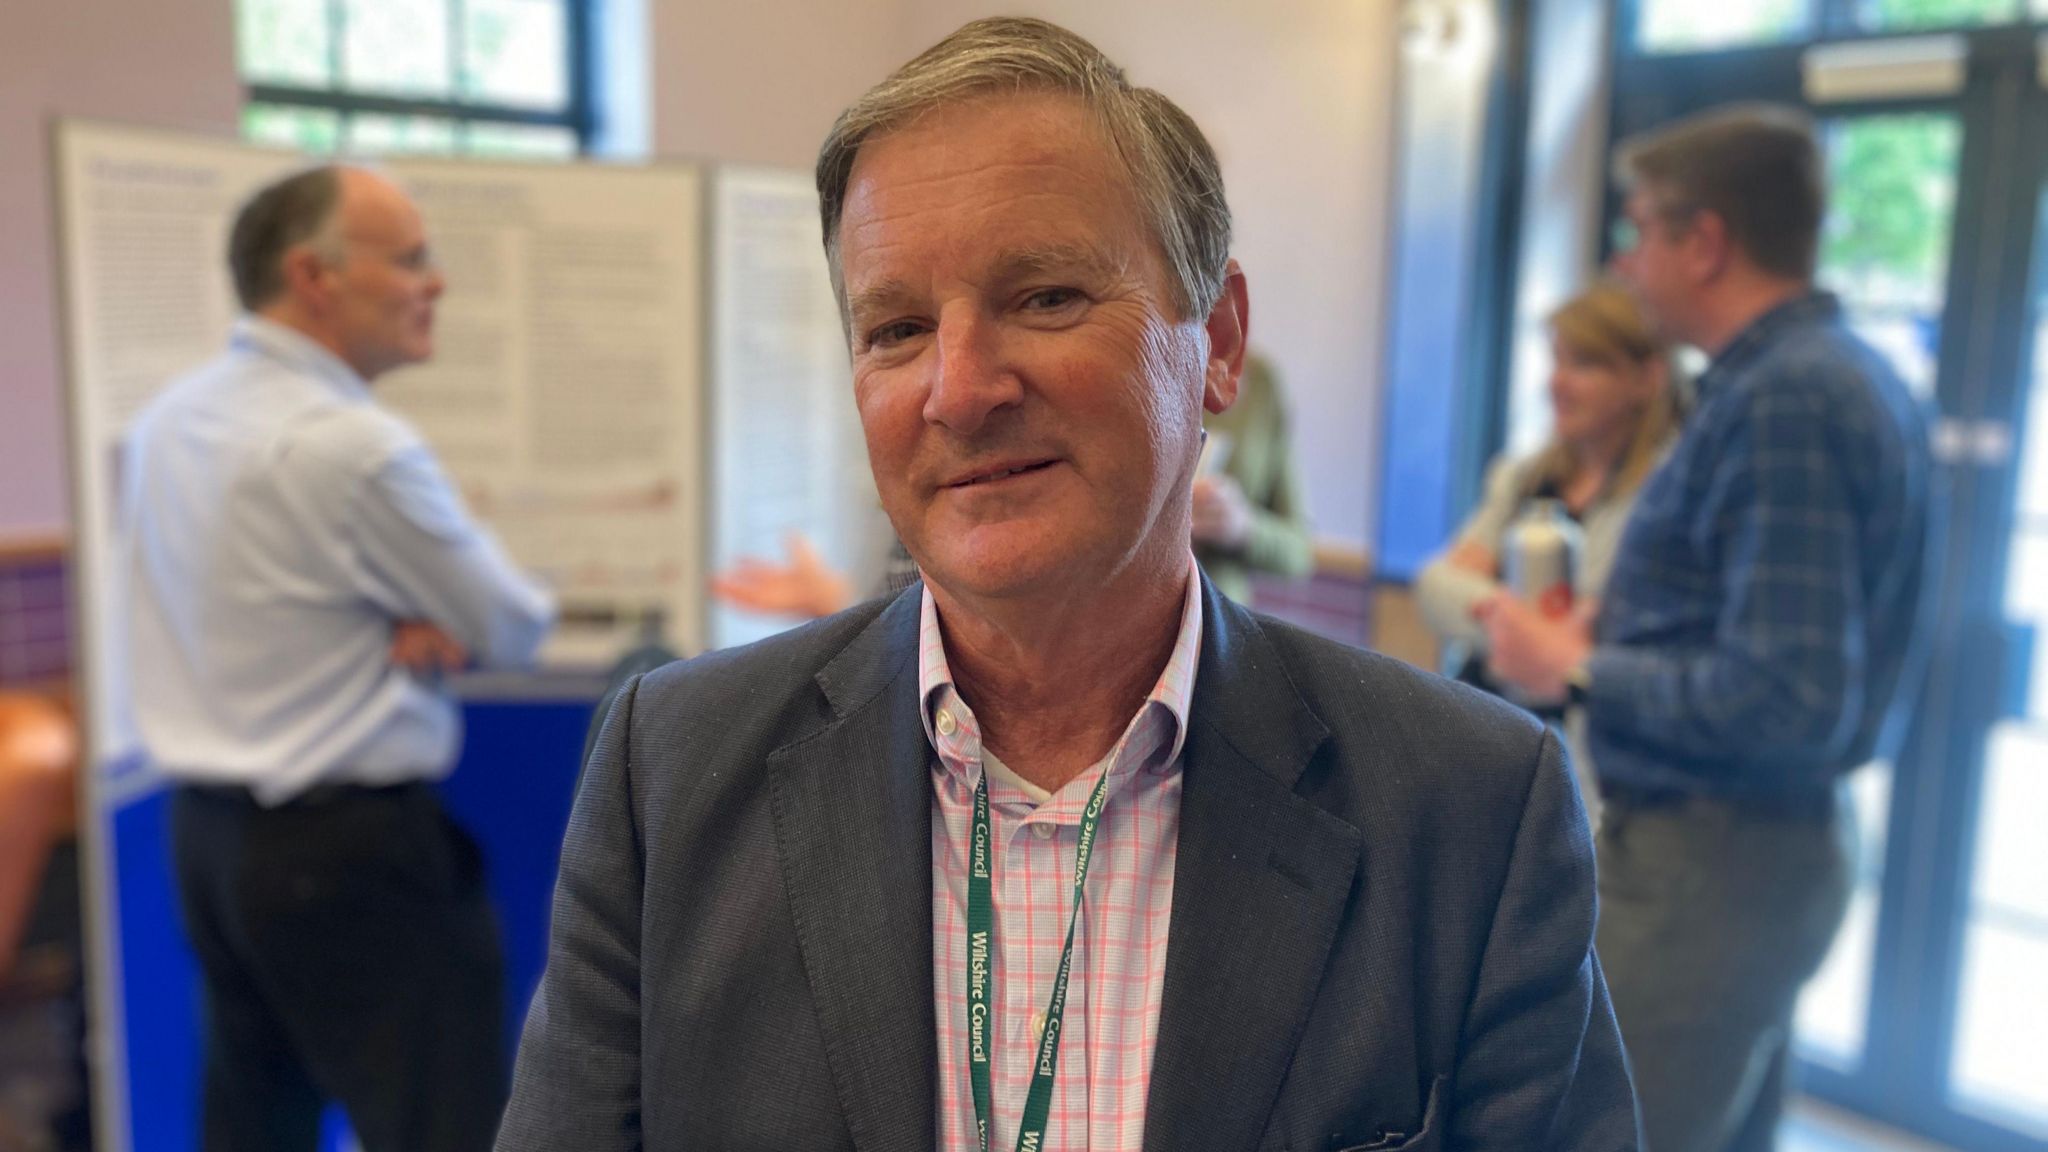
(500, 78)
(1684, 26)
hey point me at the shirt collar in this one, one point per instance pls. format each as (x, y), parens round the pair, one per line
(1813, 307)
(288, 346)
(956, 736)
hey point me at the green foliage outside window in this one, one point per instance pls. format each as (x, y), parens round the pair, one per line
(1898, 15)
(1707, 25)
(1893, 193)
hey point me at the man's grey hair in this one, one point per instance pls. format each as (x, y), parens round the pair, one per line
(299, 209)
(1173, 170)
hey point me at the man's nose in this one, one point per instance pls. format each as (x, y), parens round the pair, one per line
(970, 376)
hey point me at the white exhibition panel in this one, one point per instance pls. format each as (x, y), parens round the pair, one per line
(565, 396)
(565, 393)
(789, 453)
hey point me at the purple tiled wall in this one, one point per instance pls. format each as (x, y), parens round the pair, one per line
(1339, 607)
(35, 620)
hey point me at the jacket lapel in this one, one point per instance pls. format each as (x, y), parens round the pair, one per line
(852, 806)
(1259, 891)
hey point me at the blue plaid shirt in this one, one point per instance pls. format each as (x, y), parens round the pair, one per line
(1762, 611)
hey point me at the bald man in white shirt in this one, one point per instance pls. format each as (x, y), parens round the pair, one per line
(301, 574)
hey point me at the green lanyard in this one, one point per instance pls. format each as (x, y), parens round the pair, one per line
(981, 991)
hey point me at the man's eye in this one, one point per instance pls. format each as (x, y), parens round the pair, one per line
(1048, 299)
(894, 332)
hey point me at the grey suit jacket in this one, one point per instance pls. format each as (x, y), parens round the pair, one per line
(1381, 933)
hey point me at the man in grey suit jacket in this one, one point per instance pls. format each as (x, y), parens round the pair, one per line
(1269, 891)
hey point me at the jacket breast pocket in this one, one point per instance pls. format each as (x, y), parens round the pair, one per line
(1429, 1135)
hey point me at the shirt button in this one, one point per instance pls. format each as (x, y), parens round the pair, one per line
(1043, 831)
(947, 725)
(1038, 1025)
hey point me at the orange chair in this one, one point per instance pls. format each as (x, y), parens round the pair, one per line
(38, 806)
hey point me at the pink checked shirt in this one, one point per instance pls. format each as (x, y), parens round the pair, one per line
(1119, 965)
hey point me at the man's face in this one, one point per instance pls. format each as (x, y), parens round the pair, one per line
(385, 286)
(1658, 264)
(1031, 397)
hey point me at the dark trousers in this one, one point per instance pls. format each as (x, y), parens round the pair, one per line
(349, 954)
(1711, 919)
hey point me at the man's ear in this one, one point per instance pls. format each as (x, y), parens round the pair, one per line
(1229, 327)
(1709, 248)
(304, 273)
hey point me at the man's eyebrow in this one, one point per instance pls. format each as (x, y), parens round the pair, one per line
(871, 298)
(1087, 260)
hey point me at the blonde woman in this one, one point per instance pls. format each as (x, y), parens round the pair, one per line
(1616, 400)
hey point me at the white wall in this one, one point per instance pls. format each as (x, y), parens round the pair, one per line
(159, 62)
(760, 81)
(1296, 97)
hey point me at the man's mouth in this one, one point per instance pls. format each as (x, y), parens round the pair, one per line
(1002, 471)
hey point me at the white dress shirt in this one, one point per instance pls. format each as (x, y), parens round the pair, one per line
(276, 524)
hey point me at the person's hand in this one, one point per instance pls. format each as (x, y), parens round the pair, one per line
(1586, 613)
(1531, 651)
(425, 650)
(1223, 516)
(806, 586)
(1476, 558)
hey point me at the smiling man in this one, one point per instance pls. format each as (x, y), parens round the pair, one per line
(1059, 849)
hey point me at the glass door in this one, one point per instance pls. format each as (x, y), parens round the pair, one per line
(1997, 1068)
(1892, 179)
(1932, 1011)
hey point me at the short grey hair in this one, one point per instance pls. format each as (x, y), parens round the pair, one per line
(298, 209)
(1173, 170)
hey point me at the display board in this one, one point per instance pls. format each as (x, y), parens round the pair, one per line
(564, 397)
(565, 391)
(788, 451)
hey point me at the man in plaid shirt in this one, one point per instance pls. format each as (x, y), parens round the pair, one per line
(1758, 627)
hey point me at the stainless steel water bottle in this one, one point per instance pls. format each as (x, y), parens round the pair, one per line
(1542, 557)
